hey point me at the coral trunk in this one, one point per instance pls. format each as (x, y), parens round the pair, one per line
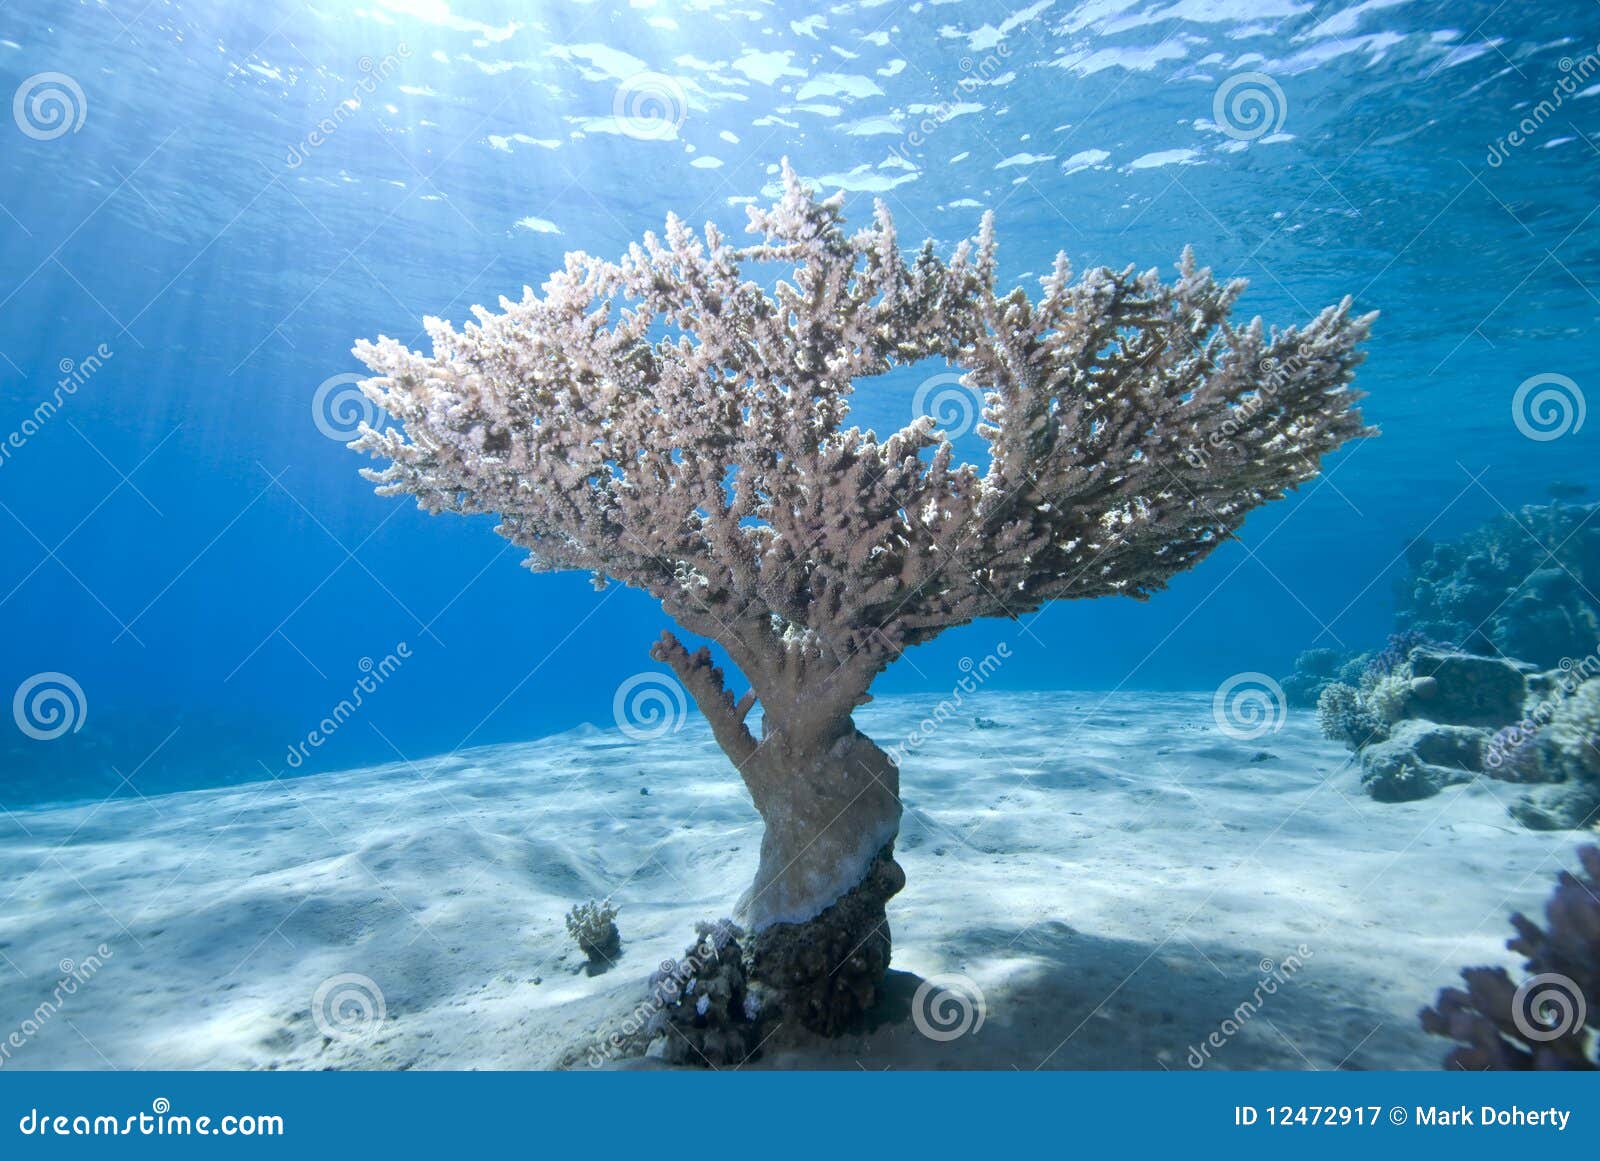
(826, 971)
(831, 802)
(832, 810)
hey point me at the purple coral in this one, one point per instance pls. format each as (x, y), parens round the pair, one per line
(1547, 1021)
(1398, 650)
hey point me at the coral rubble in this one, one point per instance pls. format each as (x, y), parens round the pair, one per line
(706, 1011)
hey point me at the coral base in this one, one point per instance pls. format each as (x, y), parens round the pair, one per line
(824, 973)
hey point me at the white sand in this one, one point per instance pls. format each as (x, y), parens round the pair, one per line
(1111, 873)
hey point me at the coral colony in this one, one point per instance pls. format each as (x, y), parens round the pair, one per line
(1517, 703)
(664, 422)
(593, 927)
(1548, 1020)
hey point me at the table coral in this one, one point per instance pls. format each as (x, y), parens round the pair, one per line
(666, 422)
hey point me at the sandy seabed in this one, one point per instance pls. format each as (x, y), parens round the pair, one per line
(1115, 873)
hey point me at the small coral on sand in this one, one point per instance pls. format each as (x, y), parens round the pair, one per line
(1550, 1019)
(1345, 717)
(594, 926)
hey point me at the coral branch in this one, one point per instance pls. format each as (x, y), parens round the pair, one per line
(665, 422)
(705, 684)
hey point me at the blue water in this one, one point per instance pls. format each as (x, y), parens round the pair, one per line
(182, 540)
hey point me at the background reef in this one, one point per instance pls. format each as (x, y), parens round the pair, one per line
(1522, 586)
(1490, 673)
